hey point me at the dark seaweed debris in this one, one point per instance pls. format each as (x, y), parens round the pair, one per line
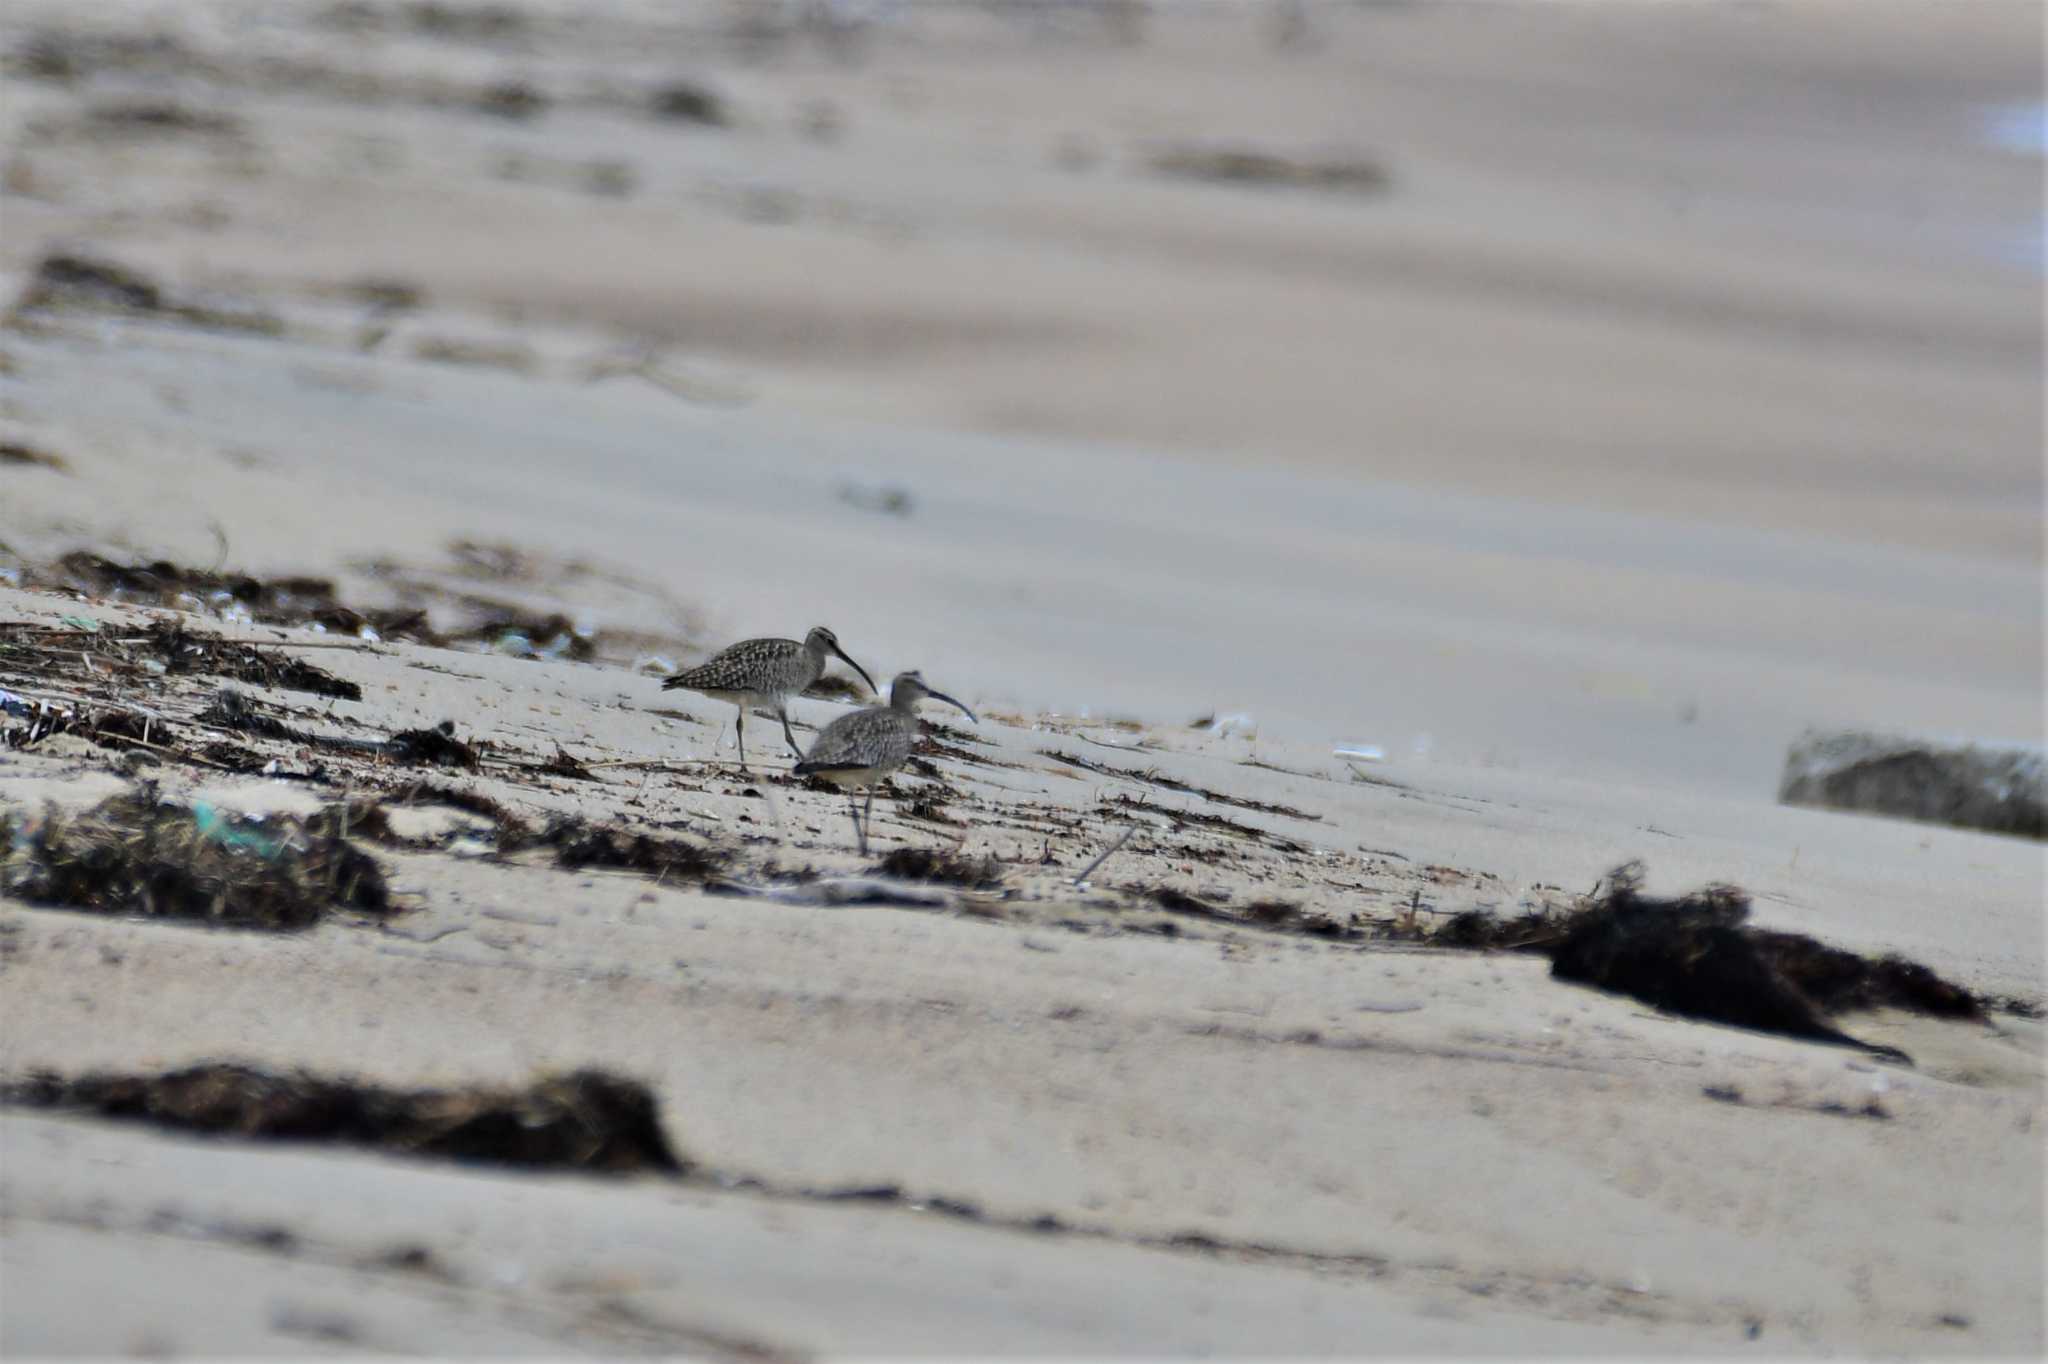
(1694, 956)
(1843, 982)
(1293, 918)
(436, 747)
(286, 600)
(577, 843)
(946, 868)
(163, 646)
(1277, 915)
(1199, 819)
(587, 1120)
(63, 282)
(474, 802)
(67, 281)
(1476, 928)
(566, 764)
(183, 650)
(135, 117)
(512, 100)
(132, 854)
(1180, 902)
(14, 452)
(1154, 777)
(688, 103)
(1247, 166)
(229, 709)
(300, 600)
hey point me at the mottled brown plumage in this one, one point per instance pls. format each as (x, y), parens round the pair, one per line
(863, 748)
(764, 673)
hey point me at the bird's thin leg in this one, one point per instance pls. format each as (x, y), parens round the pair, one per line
(854, 811)
(867, 816)
(740, 736)
(783, 711)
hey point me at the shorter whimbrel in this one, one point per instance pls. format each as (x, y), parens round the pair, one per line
(765, 673)
(862, 748)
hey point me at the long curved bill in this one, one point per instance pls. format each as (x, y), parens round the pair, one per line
(857, 668)
(941, 696)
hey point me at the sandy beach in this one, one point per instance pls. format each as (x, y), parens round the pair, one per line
(1405, 472)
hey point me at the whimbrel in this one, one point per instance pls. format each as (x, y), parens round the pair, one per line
(764, 673)
(862, 748)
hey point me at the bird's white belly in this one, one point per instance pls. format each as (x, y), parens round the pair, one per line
(764, 701)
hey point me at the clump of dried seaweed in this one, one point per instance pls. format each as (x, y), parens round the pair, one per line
(230, 709)
(16, 452)
(133, 854)
(1123, 805)
(1253, 166)
(1292, 918)
(1696, 955)
(169, 645)
(1845, 982)
(1691, 956)
(473, 802)
(587, 1120)
(185, 650)
(1277, 915)
(578, 843)
(566, 764)
(1534, 930)
(287, 600)
(306, 601)
(68, 283)
(945, 868)
(26, 722)
(436, 747)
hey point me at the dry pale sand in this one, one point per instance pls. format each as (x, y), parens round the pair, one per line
(1674, 396)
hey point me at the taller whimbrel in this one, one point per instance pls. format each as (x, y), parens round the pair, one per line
(765, 673)
(862, 748)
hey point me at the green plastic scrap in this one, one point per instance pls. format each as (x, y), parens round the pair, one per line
(215, 825)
